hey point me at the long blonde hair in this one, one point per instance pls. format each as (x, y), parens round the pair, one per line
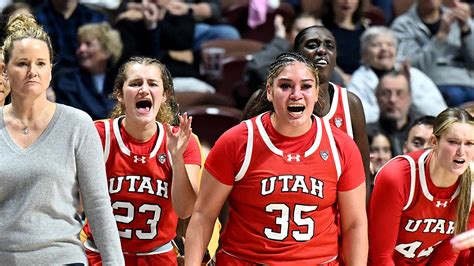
(443, 121)
(166, 113)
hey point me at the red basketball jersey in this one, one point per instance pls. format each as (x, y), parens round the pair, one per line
(427, 218)
(282, 206)
(339, 113)
(140, 186)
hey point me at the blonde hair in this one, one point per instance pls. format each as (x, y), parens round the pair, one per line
(165, 114)
(108, 38)
(442, 123)
(23, 26)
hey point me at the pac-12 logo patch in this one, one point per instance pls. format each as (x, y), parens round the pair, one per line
(324, 155)
(162, 158)
(338, 122)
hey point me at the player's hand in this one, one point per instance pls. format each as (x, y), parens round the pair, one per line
(463, 241)
(178, 141)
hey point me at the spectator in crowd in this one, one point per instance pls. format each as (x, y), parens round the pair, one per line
(50, 159)
(16, 8)
(149, 29)
(286, 30)
(468, 106)
(439, 41)
(106, 4)
(265, 156)
(420, 200)
(345, 21)
(89, 86)
(387, 7)
(379, 54)
(138, 26)
(11, 10)
(61, 20)
(419, 134)
(380, 150)
(394, 99)
(208, 17)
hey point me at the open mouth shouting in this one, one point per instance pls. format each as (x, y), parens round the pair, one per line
(143, 106)
(459, 162)
(296, 110)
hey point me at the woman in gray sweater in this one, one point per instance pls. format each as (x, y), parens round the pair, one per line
(49, 154)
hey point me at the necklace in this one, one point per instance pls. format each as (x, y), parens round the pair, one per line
(25, 130)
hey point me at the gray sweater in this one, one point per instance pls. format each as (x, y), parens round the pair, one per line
(450, 62)
(39, 194)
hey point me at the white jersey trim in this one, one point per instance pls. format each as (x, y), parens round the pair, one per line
(159, 141)
(107, 139)
(335, 153)
(347, 112)
(345, 107)
(317, 141)
(333, 107)
(90, 245)
(411, 193)
(118, 137)
(424, 186)
(265, 136)
(258, 263)
(248, 151)
(125, 149)
(279, 152)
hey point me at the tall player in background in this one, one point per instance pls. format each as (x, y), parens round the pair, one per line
(335, 104)
(285, 173)
(421, 199)
(152, 168)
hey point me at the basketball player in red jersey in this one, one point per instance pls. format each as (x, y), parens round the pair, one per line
(285, 173)
(421, 199)
(335, 104)
(152, 168)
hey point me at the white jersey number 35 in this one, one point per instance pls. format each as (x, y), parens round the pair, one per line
(284, 222)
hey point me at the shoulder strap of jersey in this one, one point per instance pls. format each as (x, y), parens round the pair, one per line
(347, 113)
(107, 139)
(332, 143)
(412, 179)
(248, 151)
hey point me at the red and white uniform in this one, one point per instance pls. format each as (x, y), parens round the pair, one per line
(410, 219)
(283, 202)
(139, 180)
(339, 114)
